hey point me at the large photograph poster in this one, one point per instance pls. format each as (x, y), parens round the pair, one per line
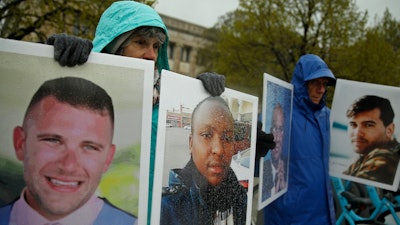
(365, 132)
(276, 118)
(220, 137)
(25, 66)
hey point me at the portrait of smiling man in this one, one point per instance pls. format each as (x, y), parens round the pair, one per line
(65, 144)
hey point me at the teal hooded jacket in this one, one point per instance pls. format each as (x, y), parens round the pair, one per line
(119, 18)
(124, 16)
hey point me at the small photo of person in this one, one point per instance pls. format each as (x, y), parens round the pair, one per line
(65, 144)
(370, 129)
(277, 121)
(364, 145)
(207, 190)
(275, 163)
(205, 154)
(74, 140)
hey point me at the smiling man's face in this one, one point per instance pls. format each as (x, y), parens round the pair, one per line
(65, 150)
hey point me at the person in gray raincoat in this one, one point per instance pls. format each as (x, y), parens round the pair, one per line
(309, 197)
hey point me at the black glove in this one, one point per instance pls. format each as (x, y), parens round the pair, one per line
(264, 142)
(70, 50)
(214, 83)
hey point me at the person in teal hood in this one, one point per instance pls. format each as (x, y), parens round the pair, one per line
(119, 25)
(309, 198)
(136, 30)
(131, 29)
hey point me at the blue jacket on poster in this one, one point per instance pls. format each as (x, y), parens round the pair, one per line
(309, 198)
(185, 202)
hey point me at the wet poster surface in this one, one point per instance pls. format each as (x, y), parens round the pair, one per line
(276, 118)
(205, 154)
(25, 66)
(365, 131)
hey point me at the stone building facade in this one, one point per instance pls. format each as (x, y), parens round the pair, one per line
(185, 40)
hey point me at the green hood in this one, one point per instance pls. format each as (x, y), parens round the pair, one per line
(124, 16)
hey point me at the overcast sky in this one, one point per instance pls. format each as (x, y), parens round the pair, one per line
(206, 12)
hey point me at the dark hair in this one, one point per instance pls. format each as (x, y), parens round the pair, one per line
(77, 92)
(217, 99)
(370, 102)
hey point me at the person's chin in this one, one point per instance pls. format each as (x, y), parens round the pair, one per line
(217, 170)
(315, 100)
(215, 180)
(359, 150)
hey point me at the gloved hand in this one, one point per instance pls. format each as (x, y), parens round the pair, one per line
(214, 83)
(70, 50)
(264, 143)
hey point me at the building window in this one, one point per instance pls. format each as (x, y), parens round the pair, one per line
(171, 48)
(185, 53)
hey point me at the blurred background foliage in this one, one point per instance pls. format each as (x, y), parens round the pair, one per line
(258, 37)
(124, 171)
(270, 36)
